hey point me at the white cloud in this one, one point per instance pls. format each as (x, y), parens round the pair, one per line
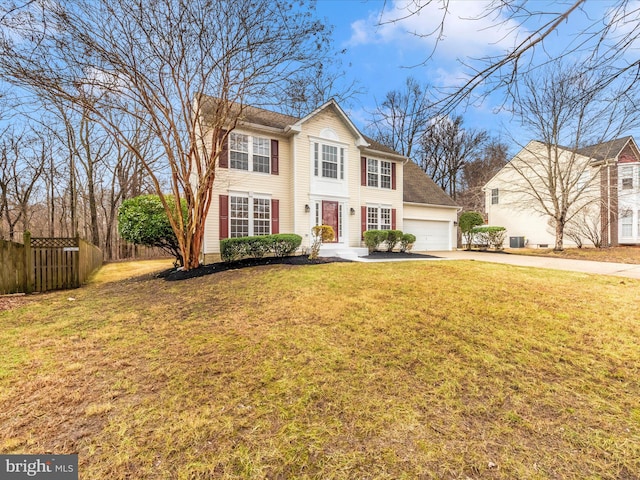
(468, 30)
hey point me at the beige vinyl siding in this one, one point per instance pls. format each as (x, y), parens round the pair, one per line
(316, 129)
(232, 180)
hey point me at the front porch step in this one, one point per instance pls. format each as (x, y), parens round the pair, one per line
(348, 253)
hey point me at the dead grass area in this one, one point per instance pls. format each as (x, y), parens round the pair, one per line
(613, 254)
(443, 370)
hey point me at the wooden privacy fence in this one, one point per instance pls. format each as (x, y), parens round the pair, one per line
(13, 267)
(50, 264)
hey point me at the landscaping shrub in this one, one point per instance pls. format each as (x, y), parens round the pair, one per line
(321, 234)
(374, 238)
(281, 245)
(467, 222)
(393, 237)
(285, 244)
(143, 220)
(492, 236)
(407, 241)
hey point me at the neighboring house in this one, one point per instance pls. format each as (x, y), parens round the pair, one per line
(281, 174)
(607, 176)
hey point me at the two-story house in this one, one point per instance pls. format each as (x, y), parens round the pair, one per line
(602, 184)
(282, 174)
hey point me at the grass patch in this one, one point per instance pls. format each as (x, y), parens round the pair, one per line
(614, 254)
(338, 371)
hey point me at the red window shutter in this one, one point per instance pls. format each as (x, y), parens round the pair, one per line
(223, 160)
(393, 217)
(393, 177)
(363, 171)
(275, 161)
(275, 216)
(363, 220)
(224, 216)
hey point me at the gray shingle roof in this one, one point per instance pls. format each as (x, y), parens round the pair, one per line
(605, 150)
(419, 188)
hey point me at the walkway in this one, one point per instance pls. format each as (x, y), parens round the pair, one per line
(584, 266)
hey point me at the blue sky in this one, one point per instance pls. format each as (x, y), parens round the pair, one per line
(381, 56)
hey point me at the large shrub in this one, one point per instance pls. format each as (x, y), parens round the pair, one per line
(467, 222)
(374, 238)
(143, 221)
(393, 237)
(407, 241)
(492, 236)
(280, 245)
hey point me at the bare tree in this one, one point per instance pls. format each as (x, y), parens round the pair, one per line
(606, 43)
(566, 111)
(151, 62)
(22, 162)
(477, 171)
(402, 118)
(446, 148)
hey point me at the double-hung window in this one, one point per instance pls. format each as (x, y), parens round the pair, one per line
(379, 173)
(626, 175)
(378, 218)
(495, 196)
(626, 224)
(328, 161)
(249, 153)
(249, 216)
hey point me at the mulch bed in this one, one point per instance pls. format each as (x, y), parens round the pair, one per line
(173, 275)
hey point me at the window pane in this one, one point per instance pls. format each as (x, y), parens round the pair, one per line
(372, 172)
(372, 218)
(385, 174)
(494, 196)
(239, 151)
(261, 216)
(329, 161)
(261, 155)
(239, 216)
(385, 219)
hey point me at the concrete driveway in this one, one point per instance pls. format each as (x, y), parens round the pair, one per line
(584, 266)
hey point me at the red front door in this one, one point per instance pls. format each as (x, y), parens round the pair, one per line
(330, 217)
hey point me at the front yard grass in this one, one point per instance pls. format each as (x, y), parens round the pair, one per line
(409, 370)
(613, 254)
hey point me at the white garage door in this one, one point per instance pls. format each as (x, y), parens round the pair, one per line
(430, 234)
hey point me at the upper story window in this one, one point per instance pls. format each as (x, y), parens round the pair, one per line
(626, 176)
(249, 153)
(495, 196)
(379, 173)
(328, 161)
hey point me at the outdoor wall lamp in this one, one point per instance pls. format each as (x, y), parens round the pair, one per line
(307, 209)
(352, 211)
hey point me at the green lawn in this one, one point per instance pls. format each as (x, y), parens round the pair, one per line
(448, 370)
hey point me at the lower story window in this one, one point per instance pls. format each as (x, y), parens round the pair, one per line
(626, 223)
(249, 216)
(378, 218)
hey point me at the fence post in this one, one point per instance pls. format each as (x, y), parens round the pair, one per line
(28, 263)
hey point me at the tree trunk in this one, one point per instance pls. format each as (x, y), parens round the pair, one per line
(559, 236)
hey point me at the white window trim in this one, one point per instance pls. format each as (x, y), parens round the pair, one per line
(250, 159)
(251, 196)
(379, 209)
(495, 196)
(316, 159)
(378, 173)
